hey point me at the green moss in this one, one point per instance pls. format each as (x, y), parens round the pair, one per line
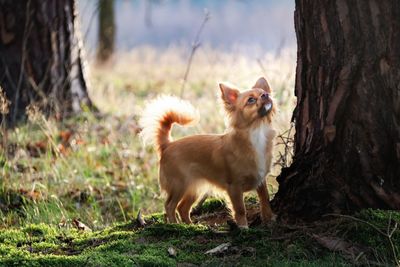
(211, 205)
(47, 260)
(40, 232)
(126, 245)
(11, 236)
(155, 218)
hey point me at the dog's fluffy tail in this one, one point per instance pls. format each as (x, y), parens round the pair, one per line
(158, 117)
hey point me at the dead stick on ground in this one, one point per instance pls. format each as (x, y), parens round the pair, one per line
(195, 45)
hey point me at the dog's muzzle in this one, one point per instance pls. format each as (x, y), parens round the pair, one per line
(265, 109)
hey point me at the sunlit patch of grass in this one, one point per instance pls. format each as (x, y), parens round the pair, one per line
(101, 174)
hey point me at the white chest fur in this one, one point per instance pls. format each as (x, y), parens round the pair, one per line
(260, 138)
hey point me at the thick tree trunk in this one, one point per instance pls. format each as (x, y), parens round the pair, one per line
(40, 57)
(347, 142)
(106, 30)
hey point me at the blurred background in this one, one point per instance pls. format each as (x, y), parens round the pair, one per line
(251, 27)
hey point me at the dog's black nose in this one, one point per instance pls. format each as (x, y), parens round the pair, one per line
(264, 96)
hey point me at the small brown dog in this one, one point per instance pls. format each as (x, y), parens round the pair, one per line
(235, 162)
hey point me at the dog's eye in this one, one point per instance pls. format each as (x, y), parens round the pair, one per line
(251, 100)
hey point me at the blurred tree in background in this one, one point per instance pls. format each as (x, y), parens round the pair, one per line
(41, 58)
(106, 34)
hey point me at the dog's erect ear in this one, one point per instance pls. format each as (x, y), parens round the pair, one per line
(229, 95)
(262, 84)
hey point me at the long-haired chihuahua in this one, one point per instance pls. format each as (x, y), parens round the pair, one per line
(235, 162)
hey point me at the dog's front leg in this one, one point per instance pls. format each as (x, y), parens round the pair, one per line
(236, 195)
(265, 207)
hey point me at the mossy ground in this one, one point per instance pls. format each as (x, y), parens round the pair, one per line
(277, 244)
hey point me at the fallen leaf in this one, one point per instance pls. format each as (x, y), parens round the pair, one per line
(219, 249)
(80, 225)
(172, 252)
(340, 245)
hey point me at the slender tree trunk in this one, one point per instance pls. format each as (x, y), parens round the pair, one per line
(347, 142)
(106, 30)
(40, 57)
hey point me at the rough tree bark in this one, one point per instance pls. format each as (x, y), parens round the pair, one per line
(40, 57)
(347, 142)
(106, 34)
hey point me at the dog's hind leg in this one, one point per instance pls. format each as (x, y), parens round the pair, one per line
(170, 205)
(185, 206)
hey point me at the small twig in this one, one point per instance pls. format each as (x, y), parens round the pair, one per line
(196, 44)
(356, 219)
(389, 234)
(287, 141)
